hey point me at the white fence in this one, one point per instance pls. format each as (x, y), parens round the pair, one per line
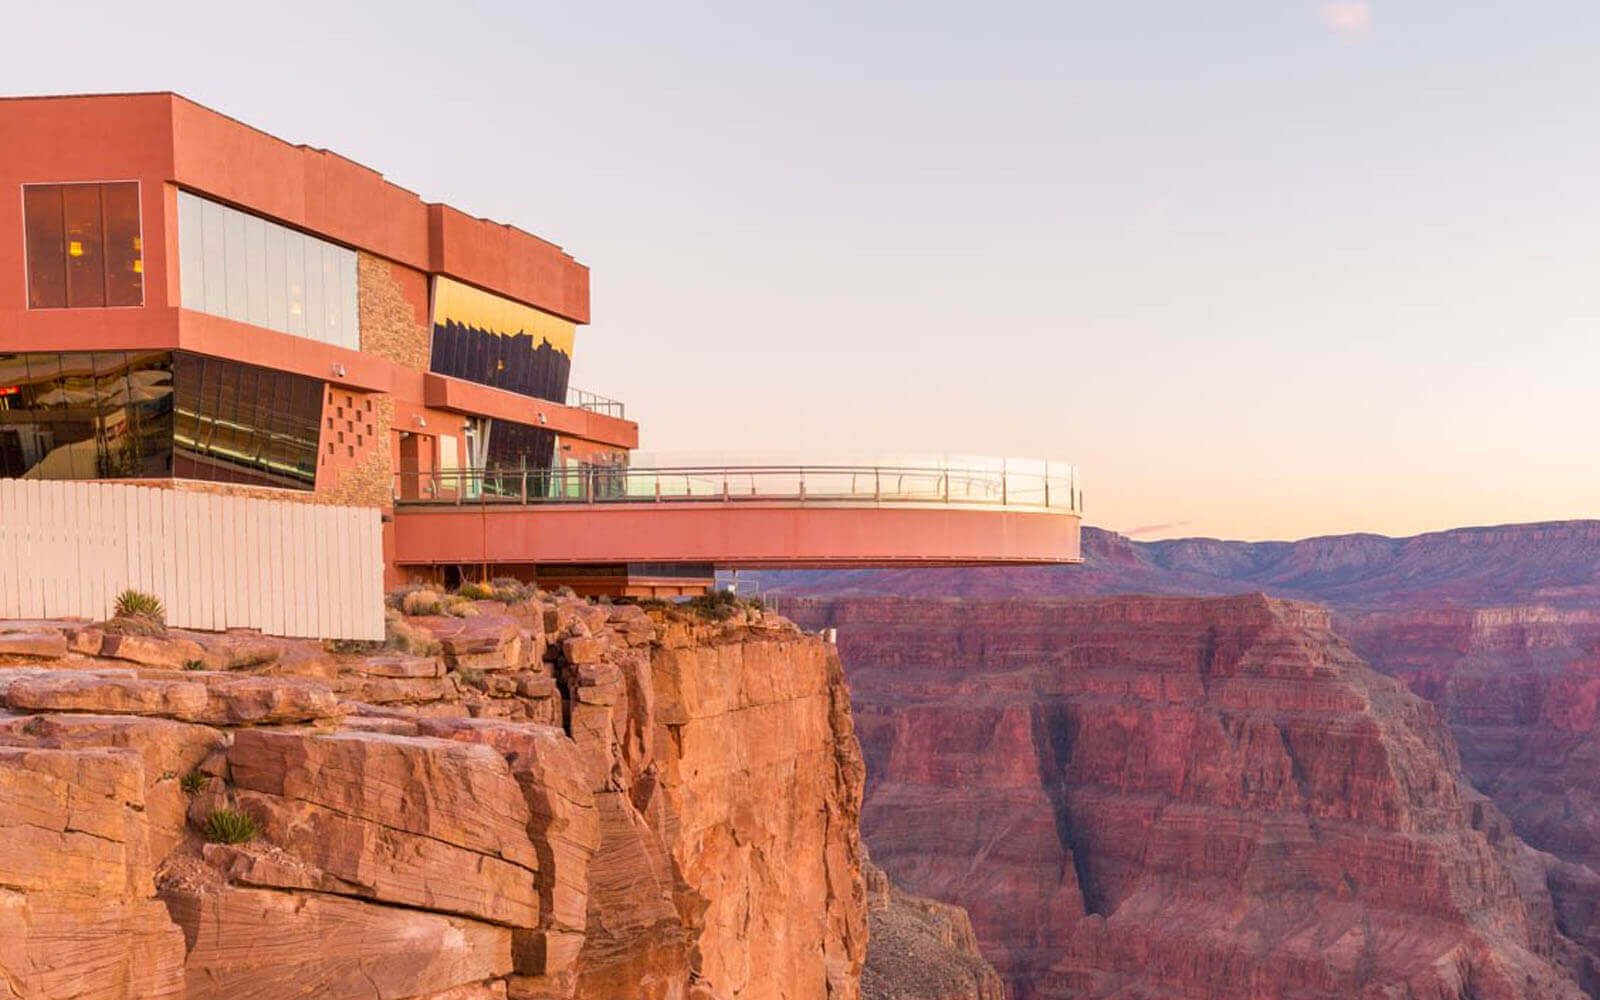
(68, 548)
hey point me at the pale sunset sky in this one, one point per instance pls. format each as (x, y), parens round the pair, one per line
(1263, 269)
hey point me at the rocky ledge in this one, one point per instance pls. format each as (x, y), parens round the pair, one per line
(536, 799)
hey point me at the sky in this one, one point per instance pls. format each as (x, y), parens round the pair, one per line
(1261, 269)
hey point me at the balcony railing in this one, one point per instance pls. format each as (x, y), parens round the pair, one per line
(596, 403)
(1009, 484)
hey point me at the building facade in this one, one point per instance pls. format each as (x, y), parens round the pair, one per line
(190, 303)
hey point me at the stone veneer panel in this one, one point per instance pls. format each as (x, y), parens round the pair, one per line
(390, 325)
(356, 463)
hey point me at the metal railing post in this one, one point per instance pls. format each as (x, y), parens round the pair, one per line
(877, 485)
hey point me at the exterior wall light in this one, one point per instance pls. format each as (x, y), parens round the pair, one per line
(338, 370)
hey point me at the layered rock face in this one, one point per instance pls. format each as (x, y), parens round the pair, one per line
(552, 799)
(1555, 563)
(1142, 797)
(1520, 689)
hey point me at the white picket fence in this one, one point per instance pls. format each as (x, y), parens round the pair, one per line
(293, 569)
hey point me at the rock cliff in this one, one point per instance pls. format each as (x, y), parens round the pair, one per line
(532, 800)
(1143, 797)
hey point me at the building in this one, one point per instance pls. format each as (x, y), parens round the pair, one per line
(190, 303)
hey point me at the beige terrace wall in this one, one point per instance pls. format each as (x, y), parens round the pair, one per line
(217, 562)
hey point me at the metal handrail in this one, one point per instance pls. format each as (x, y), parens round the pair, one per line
(1056, 490)
(595, 403)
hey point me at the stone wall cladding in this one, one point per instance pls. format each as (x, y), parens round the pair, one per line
(390, 326)
(356, 463)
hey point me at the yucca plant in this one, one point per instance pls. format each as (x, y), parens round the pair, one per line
(138, 604)
(229, 826)
(193, 782)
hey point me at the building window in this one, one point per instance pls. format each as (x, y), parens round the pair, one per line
(100, 415)
(245, 268)
(498, 342)
(242, 424)
(83, 244)
(156, 415)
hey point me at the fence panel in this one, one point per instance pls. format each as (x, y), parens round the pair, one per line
(216, 562)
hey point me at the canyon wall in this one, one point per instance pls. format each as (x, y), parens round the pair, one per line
(1140, 797)
(1555, 563)
(536, 799)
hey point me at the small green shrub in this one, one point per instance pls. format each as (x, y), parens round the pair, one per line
(230, 826)
(193, 782)
(138, 604)
(473, 678)
(194, 664)
(716, 604)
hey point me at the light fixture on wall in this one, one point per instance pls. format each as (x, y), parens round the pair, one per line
(542, 419)
(338, 370)
(421, 420)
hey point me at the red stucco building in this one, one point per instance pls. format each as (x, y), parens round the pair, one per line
(188, 302)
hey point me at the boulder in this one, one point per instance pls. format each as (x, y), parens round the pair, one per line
(258, 944)
(167, 749)
(172, 651)
(47, 644)
(458, 793)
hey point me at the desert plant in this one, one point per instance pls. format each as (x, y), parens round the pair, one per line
(459, 607)
(194, 664)
(475, 591)
(420, 602)
(715, 604)
(472, 678)
(403, 636)
(138, 604)
(230, 826)
(193, 782)
(356, 647)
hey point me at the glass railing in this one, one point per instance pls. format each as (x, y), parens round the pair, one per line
(1005, 483)
(596, 403)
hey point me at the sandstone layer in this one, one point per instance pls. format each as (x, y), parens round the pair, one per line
(534, 800)
(1142, 797)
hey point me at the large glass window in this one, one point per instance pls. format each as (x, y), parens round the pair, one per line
(495, 341)
(246, 268)
(100, 415)
(242, 424)
(133, 415)
(83, 245)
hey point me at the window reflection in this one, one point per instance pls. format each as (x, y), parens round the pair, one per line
(105, 415)
(241, 424)
(141, 415)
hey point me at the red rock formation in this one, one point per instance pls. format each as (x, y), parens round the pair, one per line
(547, 800)
(1552, 563)
(921, 949)
(1197, 798)
(1520, 688)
